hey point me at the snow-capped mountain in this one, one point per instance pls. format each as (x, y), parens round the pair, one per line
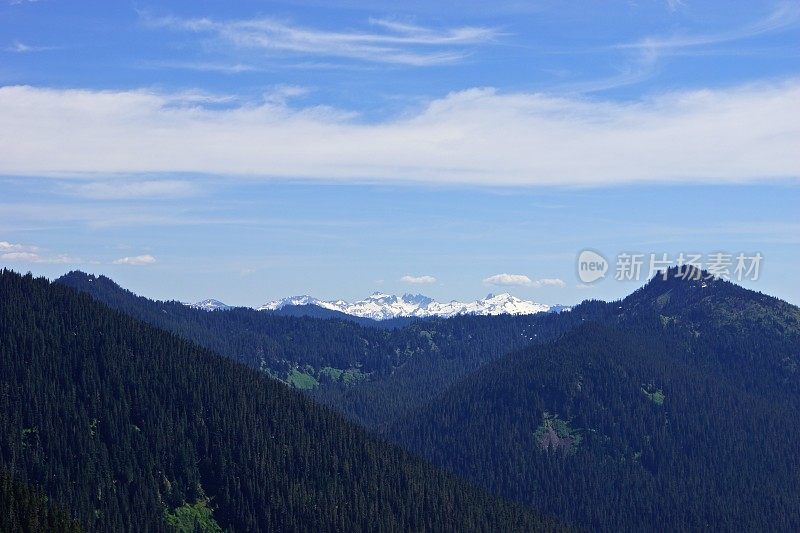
(381, 306)
(301, 300)
(210, 305)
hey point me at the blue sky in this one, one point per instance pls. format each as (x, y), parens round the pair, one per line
(197, 149)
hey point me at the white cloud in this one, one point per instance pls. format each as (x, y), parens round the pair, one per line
(6, 247)
(396, 42)
(521, 280)
(418, 280)
(508, 279)
(477, 136)
(135, 260)
(24, 253)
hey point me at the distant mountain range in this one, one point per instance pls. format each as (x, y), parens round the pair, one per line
(381, 306)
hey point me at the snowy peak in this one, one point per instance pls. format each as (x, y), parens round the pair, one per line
(210, 305)
(498, 304)
(493, 304)
(417, 299)
(380, 296)
(291, 300)
(381, 306)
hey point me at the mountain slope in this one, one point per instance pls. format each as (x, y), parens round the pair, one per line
(27, 510)
(371, 375)
(270, 342)
(130, 427)
(456, 347)
(315, 311)
(722, 321)
(674, 406)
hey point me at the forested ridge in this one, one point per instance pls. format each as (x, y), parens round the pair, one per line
(676, 406)
(130, 428)
(372, 375)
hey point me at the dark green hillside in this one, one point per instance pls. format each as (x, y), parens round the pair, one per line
(23, 510)
(724, 323)
(263, 340)
(456, 347)
(314, 311)
(132, 428)
(679, 410)
(371, 375)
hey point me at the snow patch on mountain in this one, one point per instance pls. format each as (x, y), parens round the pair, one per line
(381, 306)
(210, 305)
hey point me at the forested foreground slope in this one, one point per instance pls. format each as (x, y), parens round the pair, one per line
(127, 427)
(24, 510)
(676, 411)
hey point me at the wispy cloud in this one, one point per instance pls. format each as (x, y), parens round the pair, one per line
(23, 253)
(156, 189)
(479, 136)
(521, 280)
(137, 260)
(643, 55)
(203, 66)
(30, 257)
(45, 215)
(6, 247)
(281, 94)
(418, 280)
(785, 15)
(19, 47)
(388, 42)
(674, 5)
